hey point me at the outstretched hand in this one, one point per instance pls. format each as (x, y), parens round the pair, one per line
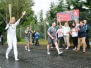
(23, 13)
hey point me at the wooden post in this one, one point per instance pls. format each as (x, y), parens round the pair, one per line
(10, 11)
(30, 29)
(20, 31)
(45, 28)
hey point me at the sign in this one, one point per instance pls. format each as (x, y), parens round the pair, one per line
(67, 15)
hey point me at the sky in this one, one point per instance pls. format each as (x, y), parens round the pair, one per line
(42, 5)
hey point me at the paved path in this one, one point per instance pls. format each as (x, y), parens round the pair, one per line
(37, 58)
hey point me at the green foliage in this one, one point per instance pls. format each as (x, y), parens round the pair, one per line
(2, 15)
(17, 7)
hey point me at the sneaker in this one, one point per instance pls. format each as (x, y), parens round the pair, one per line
(16, 59)
(25, 47)
(67, 48)
(7, 57)
(84, 51)
(28, 49)
(60, 52)
(48, 53)
(77, 50)
(52, 47)
(74, 49)
(60, 48)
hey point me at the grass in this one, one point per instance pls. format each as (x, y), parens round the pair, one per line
(41, 41)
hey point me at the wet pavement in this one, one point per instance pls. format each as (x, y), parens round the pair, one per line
(38, 58)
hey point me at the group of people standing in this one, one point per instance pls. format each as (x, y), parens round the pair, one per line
(78, 31)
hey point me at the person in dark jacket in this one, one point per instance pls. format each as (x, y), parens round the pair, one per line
(82, 36)
(33, 38)
(87, 33)
(1, 39)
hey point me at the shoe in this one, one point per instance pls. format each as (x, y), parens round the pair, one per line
(67, 48)
(28, 49)
(52, 47)
(84, 51)
(25, 47)
(16, 59)
(48, 53)
(7, 57)
(60, 48)
(74, 49)
(77, 50)
(60, 52)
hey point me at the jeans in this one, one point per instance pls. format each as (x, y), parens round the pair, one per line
(75, 41)
(87, 42)
(37, 42)
(33, 39)
(60, 42)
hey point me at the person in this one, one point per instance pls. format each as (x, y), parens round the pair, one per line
(37, 38)
(33, 38)
(77, 23)
(52, 38)
(66, 31)
(87, 33)
(81, 36)
(74, 33)
(11, 36)
(27, 37)
(60, 36)
(1, 39)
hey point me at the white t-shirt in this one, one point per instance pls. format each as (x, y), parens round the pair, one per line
(66, 31)
(60, 32)
(74, 33)
(11, 29)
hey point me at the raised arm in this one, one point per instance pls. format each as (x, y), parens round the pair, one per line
(7, 26)
(23, 13)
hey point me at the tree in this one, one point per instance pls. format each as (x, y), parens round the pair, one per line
(17, 7)
(2, 16)
(41, 24)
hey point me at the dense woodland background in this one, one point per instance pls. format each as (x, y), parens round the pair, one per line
(39, 24)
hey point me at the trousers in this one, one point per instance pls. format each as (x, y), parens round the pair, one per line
(82, 40)
(12, 42)
(66, 40)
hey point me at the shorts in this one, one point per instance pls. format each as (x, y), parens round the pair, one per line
(27, 39)
(50, 41)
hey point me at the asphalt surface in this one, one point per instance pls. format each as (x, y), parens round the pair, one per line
(38, 58)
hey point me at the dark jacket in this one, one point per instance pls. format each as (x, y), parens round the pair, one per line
(87, 28)
(82, 31)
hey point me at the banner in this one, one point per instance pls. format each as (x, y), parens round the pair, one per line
(67, 15)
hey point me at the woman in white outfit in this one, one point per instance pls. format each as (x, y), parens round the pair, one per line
(11, 36)
(66, 31)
